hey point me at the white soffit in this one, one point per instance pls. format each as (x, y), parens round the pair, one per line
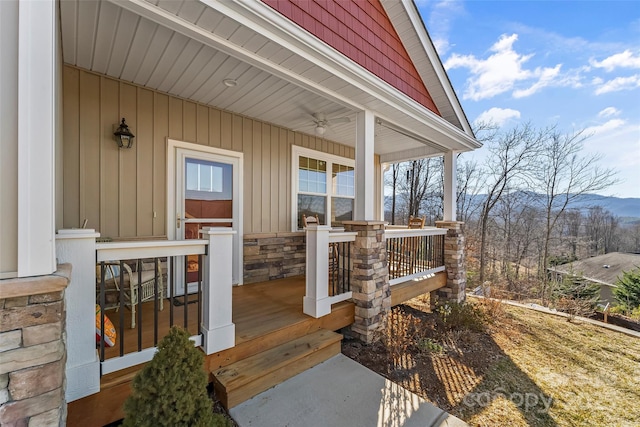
(187, 48)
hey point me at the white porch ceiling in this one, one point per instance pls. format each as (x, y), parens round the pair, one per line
(187, 49)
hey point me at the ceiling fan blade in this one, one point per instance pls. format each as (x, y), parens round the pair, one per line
(340, 120)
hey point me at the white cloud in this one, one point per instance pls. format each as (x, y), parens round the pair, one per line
(625, 59)
(499, 116)
(603, 128)
(440, 17)
(617, 84)
(547, 78)
(609, 112)
(501, 71)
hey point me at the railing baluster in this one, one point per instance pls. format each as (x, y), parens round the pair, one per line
(186, 284)
(102, 305)
(122, 307)
(172, 287)
(155, 300)
(199, 293)
(139, 305)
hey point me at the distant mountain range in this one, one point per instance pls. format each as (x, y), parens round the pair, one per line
(627, 209)
(624, 208)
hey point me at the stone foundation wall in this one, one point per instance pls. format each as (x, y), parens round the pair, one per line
(32, 350)
(370, 279)
(274, 256)
(454, 261)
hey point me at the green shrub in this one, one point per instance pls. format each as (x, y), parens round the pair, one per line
(575, 296)
(461, 316)
(430, 346)
(627, 292)
(171, 390)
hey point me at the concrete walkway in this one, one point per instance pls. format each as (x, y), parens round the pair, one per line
(340, 393)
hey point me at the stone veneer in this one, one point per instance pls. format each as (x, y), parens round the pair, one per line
(272, 256)
(370, 279)
(454, 262)
(32, 350)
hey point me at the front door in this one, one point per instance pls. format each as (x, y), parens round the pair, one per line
(207, 194)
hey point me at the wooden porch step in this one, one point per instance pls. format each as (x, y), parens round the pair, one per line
(246, 378)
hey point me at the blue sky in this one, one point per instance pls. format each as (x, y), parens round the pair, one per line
(574, 64)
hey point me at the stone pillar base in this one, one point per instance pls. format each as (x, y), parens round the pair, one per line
(369, 280)
(454, 261)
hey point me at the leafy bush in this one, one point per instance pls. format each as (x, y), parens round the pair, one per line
(627, 292)
(171, 390)
(430, 346)
(575, 296)
(461, 316)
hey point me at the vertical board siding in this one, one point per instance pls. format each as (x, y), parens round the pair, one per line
(71, 151)
(122, 193)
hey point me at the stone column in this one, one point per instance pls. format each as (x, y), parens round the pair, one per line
(370, 279)
(32, 350)
(454, 262)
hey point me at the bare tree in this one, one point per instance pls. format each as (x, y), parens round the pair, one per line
(510, 163)
(470, 183)
(564, 175)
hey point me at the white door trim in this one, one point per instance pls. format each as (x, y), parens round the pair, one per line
(173, 147)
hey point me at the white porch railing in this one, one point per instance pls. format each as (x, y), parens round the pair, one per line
(414, 253)
(214, 331)
(328, 269)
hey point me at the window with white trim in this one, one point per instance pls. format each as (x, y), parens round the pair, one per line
(323, 185)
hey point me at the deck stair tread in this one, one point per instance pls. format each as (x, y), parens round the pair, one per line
(248, 377)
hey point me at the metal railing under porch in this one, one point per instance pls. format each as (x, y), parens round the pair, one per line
(414, 253)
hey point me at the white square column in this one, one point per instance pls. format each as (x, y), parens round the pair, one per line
(365, 167)
(37, 76)
(218, 330)
(450, 185)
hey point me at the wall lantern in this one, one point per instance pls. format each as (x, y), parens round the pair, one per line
(124, 137)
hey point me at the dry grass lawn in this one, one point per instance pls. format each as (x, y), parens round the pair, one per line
(592, 374)
(525, 369)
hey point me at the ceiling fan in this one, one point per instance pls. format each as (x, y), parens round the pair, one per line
(322, 122)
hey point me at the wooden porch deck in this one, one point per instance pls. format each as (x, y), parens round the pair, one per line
(266, 314)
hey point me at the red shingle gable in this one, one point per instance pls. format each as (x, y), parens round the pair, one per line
(362, 31)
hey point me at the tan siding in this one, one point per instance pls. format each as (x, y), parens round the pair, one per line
(118, 190)
(160, 131)
(128, 200)
(144, 166)
(89, 113)
(71, 149)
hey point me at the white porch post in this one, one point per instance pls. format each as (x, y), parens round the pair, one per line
(365, 176)
(316, 302)
(217, 327)
(37, 55)
(450, 184)
(78, 248)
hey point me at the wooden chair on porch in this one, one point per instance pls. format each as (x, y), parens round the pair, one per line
(312, 219)
(133, 294)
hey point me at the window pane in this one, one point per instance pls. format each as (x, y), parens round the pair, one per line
(341, 210)
(342, 180)
(312, 175)
(311, 205)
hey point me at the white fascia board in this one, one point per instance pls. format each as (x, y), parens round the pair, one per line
(276, 27)
(434, 58)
